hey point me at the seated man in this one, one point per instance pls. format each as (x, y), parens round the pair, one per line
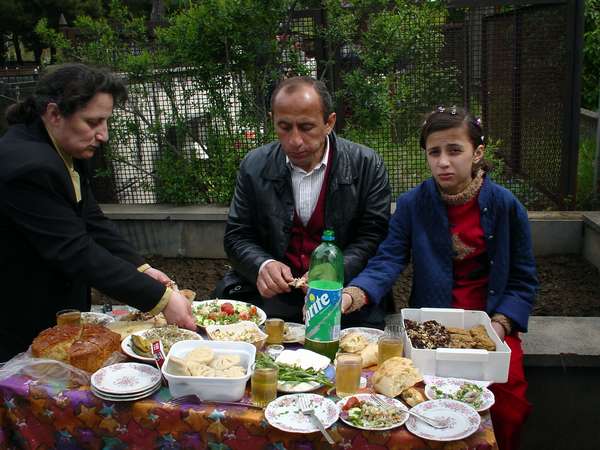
(288, 191)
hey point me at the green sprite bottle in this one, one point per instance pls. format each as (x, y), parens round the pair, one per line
(324, 297)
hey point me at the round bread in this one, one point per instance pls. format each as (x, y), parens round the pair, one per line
(86, 347)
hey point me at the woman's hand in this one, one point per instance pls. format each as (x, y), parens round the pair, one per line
(159, 276)
(179, 312)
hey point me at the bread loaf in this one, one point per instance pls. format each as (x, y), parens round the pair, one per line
(395, 375)
(86, 347)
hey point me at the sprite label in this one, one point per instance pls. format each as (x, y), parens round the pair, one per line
(323, 311)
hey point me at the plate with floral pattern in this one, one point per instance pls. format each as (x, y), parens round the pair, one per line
(463, 420)
(125, 378)
(285, 414)
(479, 397)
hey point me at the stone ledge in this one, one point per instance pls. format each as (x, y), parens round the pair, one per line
(562, 341)
(166, 212)
(592, 220)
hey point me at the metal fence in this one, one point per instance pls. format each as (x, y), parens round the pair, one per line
(515, 63)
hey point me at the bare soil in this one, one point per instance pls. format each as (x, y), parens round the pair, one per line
(569, 285)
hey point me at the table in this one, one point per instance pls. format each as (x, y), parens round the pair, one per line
(51, 415)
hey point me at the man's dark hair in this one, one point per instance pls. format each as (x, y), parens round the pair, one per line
(292, 84)
(71, 87)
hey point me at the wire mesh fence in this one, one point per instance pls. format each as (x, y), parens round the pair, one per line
(511, 63)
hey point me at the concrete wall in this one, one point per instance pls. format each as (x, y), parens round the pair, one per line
(197, 231)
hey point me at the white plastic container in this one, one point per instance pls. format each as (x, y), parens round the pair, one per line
(457, 362)
(211, 388)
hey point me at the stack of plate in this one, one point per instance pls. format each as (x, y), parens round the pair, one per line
(125, 382)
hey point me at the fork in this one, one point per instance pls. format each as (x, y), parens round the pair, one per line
(435, 423)
(308, 411)
(193, 398)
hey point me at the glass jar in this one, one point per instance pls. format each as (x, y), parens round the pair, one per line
(390, 344)
(263, 385)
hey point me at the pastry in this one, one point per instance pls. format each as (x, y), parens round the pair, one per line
(395, 375)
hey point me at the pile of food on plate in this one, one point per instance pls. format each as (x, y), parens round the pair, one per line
(244, 331)
(297, 366)
(369, 414)
(469, 393)
(168, 335)
(357, 342)
(220, 313)
(431, 335)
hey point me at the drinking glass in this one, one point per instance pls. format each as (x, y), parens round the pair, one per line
(390, 344)
(263, 385)
(68, 317)
(347, 374)
(274, 328)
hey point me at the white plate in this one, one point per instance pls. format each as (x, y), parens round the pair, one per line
(96, 318)
(125, 378)
(371, 334)
(296, 333)
(367, 398)
(463, 420)
(296, 388)
(262, 316)
(288, 388)
(125, 398)
(284, 413)
(127, 345)
(452, 385)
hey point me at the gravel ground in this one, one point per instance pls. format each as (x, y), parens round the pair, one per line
(569, 285)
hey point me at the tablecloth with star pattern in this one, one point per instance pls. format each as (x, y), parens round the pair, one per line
(44, 416)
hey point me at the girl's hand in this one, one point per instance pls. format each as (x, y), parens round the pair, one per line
(346, 303)
(499, 329)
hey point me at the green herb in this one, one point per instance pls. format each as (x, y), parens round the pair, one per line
(468, 393)
(292, 374)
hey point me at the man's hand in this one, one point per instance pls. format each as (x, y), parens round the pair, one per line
(158, 275)
(499, 329)
(179, 312)
(346, 303)
(273, 279)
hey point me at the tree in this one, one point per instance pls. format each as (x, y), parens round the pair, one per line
(19, 18)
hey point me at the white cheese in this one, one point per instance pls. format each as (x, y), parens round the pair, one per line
(303, 358)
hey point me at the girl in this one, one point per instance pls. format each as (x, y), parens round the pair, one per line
(471, 248)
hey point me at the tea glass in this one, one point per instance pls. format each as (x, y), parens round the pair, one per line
(274, 328)
(263, 385)
(68, 317)
(348, 368)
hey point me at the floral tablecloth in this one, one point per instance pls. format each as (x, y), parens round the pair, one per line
(43, 416)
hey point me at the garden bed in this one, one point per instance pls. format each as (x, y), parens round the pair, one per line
(569, 285)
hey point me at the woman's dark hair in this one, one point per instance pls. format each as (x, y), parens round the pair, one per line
(290, 85)
(71, 87)
(445, 118)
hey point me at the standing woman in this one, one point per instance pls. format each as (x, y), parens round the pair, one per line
(470, 244)
(55, 241)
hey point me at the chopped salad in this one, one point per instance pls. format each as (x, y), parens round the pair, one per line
(468, 393)
(368, 414)
(221, 313)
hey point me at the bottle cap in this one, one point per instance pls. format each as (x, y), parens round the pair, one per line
(328, 235)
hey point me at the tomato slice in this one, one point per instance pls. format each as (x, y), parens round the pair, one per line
(351, 403)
